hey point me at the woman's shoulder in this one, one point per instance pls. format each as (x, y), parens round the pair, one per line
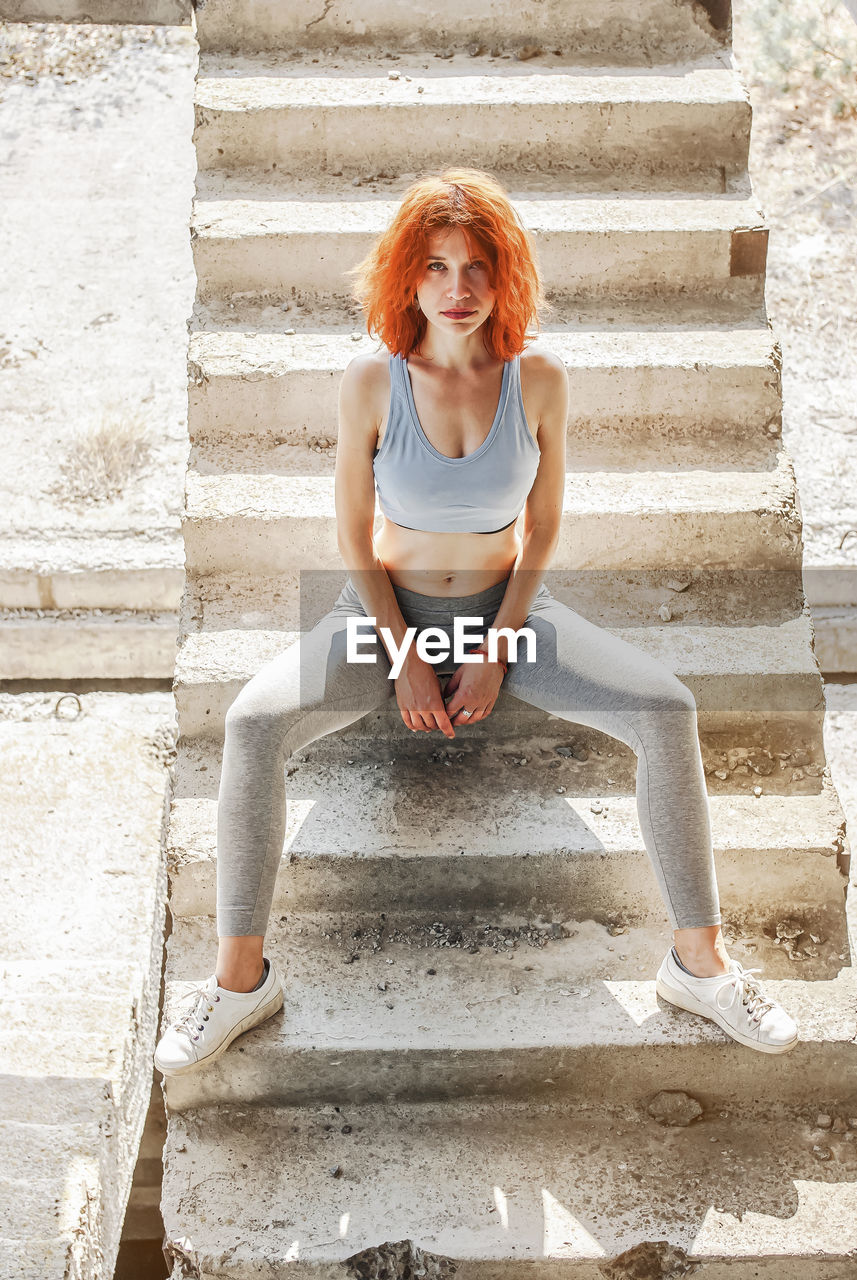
(367, 365)
(364, 392)
(542, 370)
(366, 374)
(540, 360)
(544, 389)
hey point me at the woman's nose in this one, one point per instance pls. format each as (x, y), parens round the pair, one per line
(458, 289)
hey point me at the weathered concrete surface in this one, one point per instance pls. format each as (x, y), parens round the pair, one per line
(370, 1014)
(46, 644)
(840, 742)
(251, 235)
(544, 113)
(83, 797)
(802, 165)
(510, 1189)
(96, 180)
(149, 12)
(258, 520)
(455, 829)
(656, 30)
(251, 379)
(835, 637)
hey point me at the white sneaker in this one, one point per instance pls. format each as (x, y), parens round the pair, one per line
(215, 1018)
(736, 1001)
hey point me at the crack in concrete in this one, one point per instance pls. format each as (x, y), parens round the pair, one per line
(328, 5)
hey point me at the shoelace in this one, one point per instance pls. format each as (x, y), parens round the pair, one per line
(200, 995)
(748, 989)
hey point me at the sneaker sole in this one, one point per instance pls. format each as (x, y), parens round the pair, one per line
(684, 1000)
(246, 1024)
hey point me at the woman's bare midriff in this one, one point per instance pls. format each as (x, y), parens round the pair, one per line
(446, 564)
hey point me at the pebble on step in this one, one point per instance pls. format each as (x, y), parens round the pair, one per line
(673, 1107)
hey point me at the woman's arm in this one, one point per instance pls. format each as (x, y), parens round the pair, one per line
(362, 390)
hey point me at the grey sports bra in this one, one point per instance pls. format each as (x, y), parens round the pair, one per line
(420, 488)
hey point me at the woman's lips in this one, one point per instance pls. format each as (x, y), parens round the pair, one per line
(457, 313)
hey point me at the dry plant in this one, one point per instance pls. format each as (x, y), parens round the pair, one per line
(101, 460)
(799, 44)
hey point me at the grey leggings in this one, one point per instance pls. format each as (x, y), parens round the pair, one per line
(583, 673)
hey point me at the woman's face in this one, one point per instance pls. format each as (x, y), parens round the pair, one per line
(454, 292)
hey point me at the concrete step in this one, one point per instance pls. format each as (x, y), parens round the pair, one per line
(256, 235)
(376, 1010)
(51, 1199)
(482, 1189)
(278, 388)
(63, 1156)
(745, 673)
(149, 12)
(253, 111)
(251, 312)
(83, 569)
(653, 31)
(553, 833)
(83, 792)
(836, 639)
(615, 516)
(831, 592)
(115, 644)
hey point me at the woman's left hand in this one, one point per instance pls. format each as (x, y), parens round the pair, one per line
(474, 687)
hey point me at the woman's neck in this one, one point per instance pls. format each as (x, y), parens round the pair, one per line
(463, 355)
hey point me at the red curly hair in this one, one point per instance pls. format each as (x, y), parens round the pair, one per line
(387, 278)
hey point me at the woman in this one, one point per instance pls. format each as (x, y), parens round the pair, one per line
(461, 426)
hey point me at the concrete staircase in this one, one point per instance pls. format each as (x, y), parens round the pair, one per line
(461, 1078)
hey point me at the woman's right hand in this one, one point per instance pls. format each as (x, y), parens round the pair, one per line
(419, 696)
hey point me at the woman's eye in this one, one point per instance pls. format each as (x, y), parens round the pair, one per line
(479, 263)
